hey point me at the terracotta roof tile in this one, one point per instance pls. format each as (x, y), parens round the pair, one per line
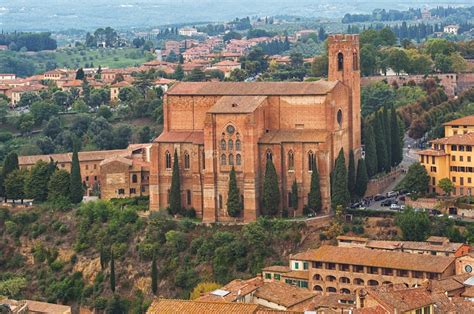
(431, 152)
(252, 88)
(196, 137)
(377, 258)
(287, 136)
(277, 268)
(50, 308)
(468, 120)
(237, 104)
(297, 274)
(236, 288)
(283, 294)
(167, 306)
(459, 139)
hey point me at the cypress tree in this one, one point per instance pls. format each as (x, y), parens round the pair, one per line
(340, 192)
(294, 195)
(10, 164)
(36, 185)
(112, 272)
(397, 144)
(370, 151)
(154, 276)
(271, 191)
(175, 191)
(314, 197)
(362, 179)
(76, 188)
(351, 174)
(380, 146)
(233, 197)
(103, 258)
(388, 136)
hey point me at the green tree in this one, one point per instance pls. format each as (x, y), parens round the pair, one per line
(271, 191)
(368, 60)
(175, 191)
(294, 195)
(234, 206)
(362, 178)
(154, 276)
(446, 185)
(26, 122)
(351, 175)
(36, 185)
(443, 63)
(415, 225)
(387, 133)
(398, 60)
(395, 141)
(59, 186)
(196, 75)
(380, 144)
(75, 185)
(112, 271)
(340, 192)
(370, 151)
(179, 73)
(80, 74)
(314, 197)
(15, 184)
(3, 111)
(416, 179)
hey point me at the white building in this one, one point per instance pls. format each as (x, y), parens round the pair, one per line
(451, 29)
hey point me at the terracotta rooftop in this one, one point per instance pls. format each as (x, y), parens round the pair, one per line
(50, 308)
(288, 136)
(459, 139)
(402, 300)
(252, 88)
(297, 274)
(235, 289)
(277, 268)
(283, 294)
(168, 306)
(451, 283)
(123, 160)
(195, 137)
(431, 152)
(349, 238)
(330, 301)
(377, 258)
(237, 104)
(468, 120)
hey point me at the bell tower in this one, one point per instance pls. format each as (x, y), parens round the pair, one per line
(343, 55)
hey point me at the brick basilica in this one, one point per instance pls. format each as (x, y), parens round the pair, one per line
(215, 126)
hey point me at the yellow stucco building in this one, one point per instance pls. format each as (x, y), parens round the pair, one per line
(452, 157)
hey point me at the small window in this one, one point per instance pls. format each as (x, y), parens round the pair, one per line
(297, 265)
(168, 160)
(269, 155)
(134, 178)
(188, 197)
(291, 160)
(339, 117)
(311, 161)
(268, 276)
(187, 163)
(220, 201)
(87, 178)
(121, 191)
(231, 160)
(238, 159)
(223, 144)
(87, 167)
(133, 191)
(223, 160)
(238, 145)
(203, 159)
(231, 145)
(340, 61)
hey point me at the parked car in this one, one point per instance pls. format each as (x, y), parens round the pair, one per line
(395, 207)
(356, 205)
(386, 203)
(392, 194)
(379, 197)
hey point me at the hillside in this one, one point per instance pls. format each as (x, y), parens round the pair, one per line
(65, 256)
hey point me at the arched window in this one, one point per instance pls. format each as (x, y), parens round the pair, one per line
(223, 144)
(330, 278)
(269, 155)
(231, 145)
(317, 277)
(238, 145)
(311, 161)
(345, 291)
(238, 159)
(331, 290)
(344, 280)
(339, 117)
(168, 160)
(187, 163)
(340, 61)
(291, 160)
(359, 282)
(231, 160)
(355, 61)
(223, 160)
(134, 178)
(220, 201)
(203, 159)
(372, 282)
(317, 288)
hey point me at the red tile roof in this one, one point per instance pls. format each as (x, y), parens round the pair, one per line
(167, 306)
(459, 139)
(468, 120)
(196, 137)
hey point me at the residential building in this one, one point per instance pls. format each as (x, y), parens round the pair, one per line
(225, 66)
(34, 307)
(117, 173)
(432, 246)
(58, 74)
(452, 157)
(188, 31)
(451, 29)
(334, 269)
(7, 77)
(215, 126)
(116, 88)
(237, 290)
(17, 92)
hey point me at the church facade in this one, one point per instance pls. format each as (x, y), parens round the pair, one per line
(214, 126)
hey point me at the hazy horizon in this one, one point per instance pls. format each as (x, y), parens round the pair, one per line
(56, 15)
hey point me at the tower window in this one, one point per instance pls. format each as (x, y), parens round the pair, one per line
(238, 159)
(339, 117)
(269, 155)
(188, 197)
(168, 160)
(238, 145)
(355, 61)
(231, 160)
(231, 145)
(187, 162)
(203, 160)
(220, 201)
(223, 160)
(291, 160)
(340, 61)
(223, 144)
(134, 178)
(311, 161)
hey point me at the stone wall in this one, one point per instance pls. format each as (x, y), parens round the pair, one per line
(378, 186)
